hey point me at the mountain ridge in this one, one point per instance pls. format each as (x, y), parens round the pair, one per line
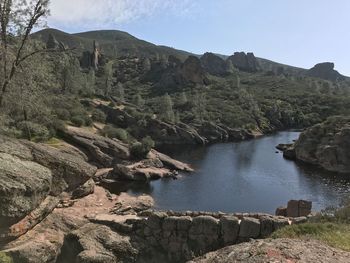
(116, 43)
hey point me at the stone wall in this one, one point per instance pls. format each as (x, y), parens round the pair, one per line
(181, 236)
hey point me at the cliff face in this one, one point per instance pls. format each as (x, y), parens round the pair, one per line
(326, 145)
(245, 62)
(214, 65)
(325, 71)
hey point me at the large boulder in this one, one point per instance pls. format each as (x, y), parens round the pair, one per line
(29, 174)
(326, 145)
(23, 186)
(96, 243)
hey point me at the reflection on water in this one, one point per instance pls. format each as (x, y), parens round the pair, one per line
(243, 177)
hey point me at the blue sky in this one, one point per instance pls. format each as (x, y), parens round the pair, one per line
(295, 32)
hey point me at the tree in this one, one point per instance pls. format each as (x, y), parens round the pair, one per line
(166, 108)
(138, 101)
(200, 105)
(146, 65)
(229, 68)
(120, 93)
(182, 99)
(17, 20)
(108, 78)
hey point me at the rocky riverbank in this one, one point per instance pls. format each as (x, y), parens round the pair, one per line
(53, 209)
(325, 145)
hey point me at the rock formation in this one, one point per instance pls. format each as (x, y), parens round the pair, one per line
(92, 59)
(31, 176)
(326, 145)
(213, 64)
(245, 62)
(325, 71)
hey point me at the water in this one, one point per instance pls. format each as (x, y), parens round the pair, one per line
(244, 177)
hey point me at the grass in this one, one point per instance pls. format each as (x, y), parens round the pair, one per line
(5, 258)
(334, 234)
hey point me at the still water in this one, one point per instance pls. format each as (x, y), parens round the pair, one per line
(244, 177)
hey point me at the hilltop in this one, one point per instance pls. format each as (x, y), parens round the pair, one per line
(115, 43)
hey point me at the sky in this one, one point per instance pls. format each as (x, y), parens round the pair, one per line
(295, 32)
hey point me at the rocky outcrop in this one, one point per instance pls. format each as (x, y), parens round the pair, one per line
(93, 59)
(30, 174)
(175, 74)
(103, 151)
(192, 71)
(276, 250)
(245, 62)
(97, 243)
(23, 186)
(325, 71)
(156, 166)
(213, 64)
(326, 145)
(44, 242)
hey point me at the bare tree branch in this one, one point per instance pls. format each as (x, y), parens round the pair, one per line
(39, 10)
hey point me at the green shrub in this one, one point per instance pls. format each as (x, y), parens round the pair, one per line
(31, 130)
(141, 149)
(333, 234)
(78, 121)
(113, 132)
(99, 116)
(88, 121)
(5, 258)
(63, 114)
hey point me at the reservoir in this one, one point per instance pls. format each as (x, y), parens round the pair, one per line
(248, 176)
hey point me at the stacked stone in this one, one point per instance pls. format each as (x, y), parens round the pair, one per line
(181, 236)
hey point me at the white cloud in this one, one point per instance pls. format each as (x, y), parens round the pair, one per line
(104, 13)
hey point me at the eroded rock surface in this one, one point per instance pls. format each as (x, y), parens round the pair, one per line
(326, 145)
(276, 250)
(29, 175)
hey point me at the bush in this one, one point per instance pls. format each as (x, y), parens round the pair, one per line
(31, 130)
(63, 114)
(99, 116)
(112, 132)
(5, 258)
(141, 149)
(78, 121)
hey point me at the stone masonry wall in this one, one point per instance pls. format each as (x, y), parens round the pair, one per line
(181, 236)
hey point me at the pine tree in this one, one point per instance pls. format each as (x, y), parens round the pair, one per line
(166, 108)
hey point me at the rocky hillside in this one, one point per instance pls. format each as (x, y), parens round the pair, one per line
(326, 145)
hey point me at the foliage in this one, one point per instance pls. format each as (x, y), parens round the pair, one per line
(334, 234)
(98, 115)
(332, 226)
(78, 121)
(113, 132)
(5, 258)
(141, 149)
(166, 111)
